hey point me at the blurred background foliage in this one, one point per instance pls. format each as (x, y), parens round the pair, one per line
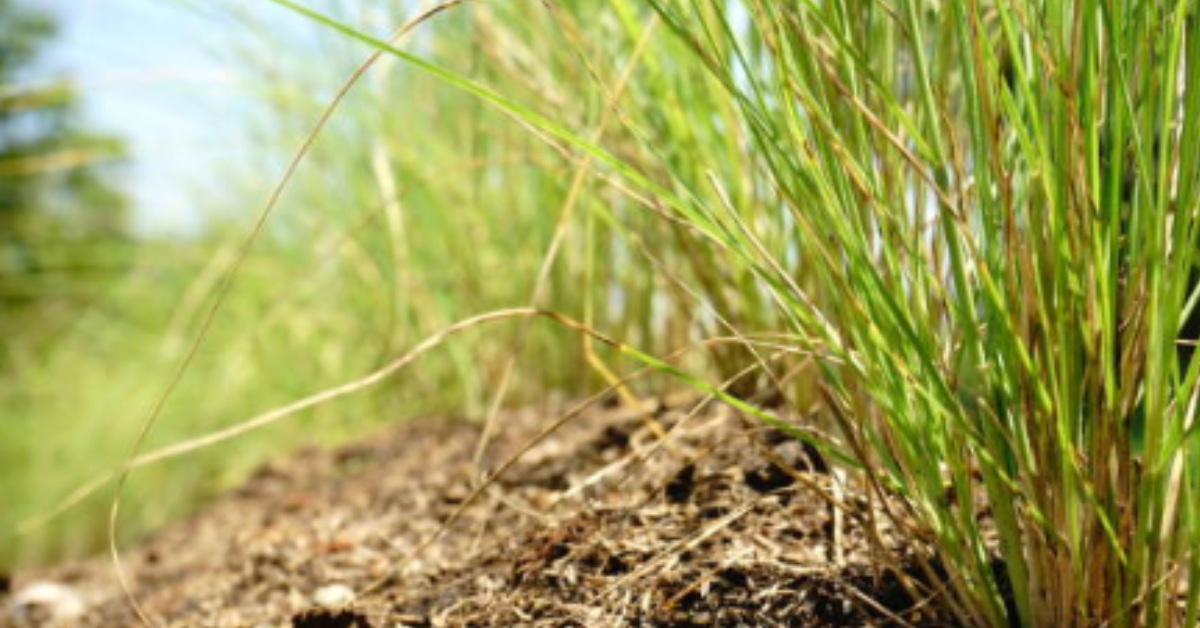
(63, 226)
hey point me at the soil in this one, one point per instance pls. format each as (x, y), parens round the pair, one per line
(601, 523)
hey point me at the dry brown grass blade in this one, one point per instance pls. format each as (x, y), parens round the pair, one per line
(273, 416)
(277, 414)
(487, 482)
(478, 491)
(632, 463)
(225, 287)
(565, 215)
(682, 546)
(282, 412)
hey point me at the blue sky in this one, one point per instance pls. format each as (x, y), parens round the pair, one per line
(145, 71)
(155, 73)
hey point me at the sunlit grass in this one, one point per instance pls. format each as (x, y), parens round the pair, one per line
(1001, 197)
(978, 218)
(999, 200)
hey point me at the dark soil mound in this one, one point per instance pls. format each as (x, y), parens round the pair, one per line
(602, 523)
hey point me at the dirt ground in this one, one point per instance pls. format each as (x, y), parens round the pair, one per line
(603, 522)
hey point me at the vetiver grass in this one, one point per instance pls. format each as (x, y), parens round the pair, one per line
(1001, 197)
(998, 203)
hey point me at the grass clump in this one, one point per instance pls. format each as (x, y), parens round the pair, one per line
(982, 218)
(1001, 198)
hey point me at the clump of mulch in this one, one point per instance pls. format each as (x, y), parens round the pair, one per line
(678, 515)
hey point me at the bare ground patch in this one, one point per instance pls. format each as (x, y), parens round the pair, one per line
(603, 523)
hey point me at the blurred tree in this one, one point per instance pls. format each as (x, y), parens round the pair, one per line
(62, 225)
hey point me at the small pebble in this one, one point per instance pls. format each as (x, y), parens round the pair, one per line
(333, 596)
(47, 601)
